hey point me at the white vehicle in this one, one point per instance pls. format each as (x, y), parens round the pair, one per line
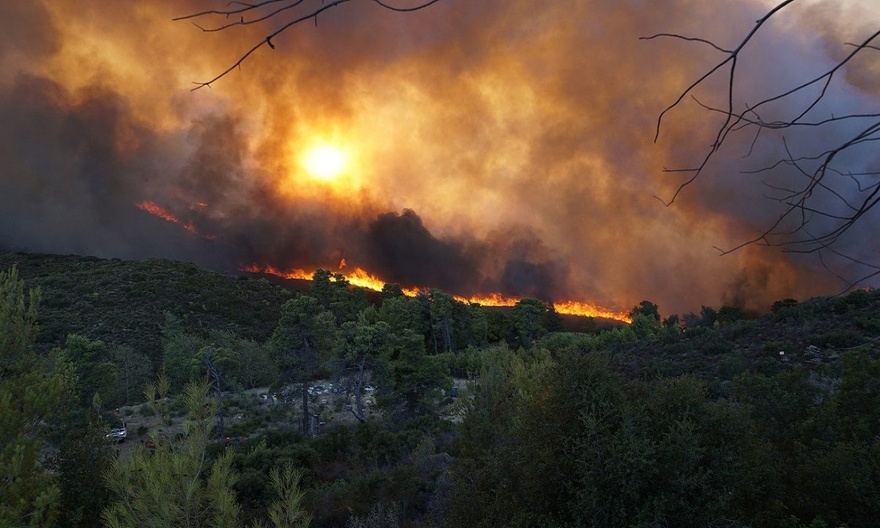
(118, 434)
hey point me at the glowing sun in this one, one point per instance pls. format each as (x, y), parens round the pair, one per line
(324, 162)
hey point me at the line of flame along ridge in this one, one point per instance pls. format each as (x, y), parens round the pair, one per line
(358, 277)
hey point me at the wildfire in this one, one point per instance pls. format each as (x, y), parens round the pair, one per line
(357, 277)
(564, 307)
(590, 310)
(157, 210)
(363, 279)
(272, 270)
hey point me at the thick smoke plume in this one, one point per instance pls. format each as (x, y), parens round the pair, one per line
(495, 146)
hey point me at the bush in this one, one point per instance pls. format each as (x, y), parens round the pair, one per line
(842, 338)
(773, 347)
(732, 366)
(869, 324)
(714, 344)
(853, 300)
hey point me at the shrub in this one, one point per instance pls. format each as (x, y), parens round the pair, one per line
(841, 338)
(773, 347)
(869, 324)
(714, 344)
(732, 366)
(853, 300)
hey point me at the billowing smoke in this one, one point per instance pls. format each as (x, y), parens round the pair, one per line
(494, 146)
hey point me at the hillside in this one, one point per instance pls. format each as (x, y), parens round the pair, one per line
(124, 303)
(767, 418)
(811, 333)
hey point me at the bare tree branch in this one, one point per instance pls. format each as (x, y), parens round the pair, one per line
(266, 10)
(830, 199)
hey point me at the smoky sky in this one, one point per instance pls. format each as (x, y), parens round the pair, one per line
(493, 146)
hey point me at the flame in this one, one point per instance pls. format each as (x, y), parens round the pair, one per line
(272, 270)
(590, 310)
(157, 210)
(584, 309)
(360, 277)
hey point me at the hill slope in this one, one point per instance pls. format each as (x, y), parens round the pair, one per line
(123, 302)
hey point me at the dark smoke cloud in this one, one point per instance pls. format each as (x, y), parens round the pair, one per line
(68, 187)
(496, 146)
(401, 248)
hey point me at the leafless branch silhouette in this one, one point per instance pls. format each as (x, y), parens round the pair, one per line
(287, 12)
(830, 198)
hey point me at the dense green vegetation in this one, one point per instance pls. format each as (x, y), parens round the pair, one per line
(722, 418)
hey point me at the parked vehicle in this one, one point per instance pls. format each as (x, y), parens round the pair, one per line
(118, 434)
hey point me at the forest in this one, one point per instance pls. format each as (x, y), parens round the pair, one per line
(251, 402)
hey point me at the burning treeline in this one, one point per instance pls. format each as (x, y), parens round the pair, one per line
(418, 246)
(486, 149)
(363, 279)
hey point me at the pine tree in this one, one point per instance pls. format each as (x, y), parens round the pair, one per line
(32, 389)
(172, 482)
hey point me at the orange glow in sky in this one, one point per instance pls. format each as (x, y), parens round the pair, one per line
(489, 146)
(324, 162)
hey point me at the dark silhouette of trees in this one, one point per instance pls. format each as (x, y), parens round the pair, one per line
(829, 193)
(286, 13)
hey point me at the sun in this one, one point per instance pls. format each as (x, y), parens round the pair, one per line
(324, 162)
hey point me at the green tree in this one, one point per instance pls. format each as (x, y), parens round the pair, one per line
(499, 326)
(479, 325)
(84, 457)
(404, 313)
(479, 470)
(390, 291)
(412, 377)
(33, 390)
(175, 483)
(179, 349)
(133, 371)
(644, 326)
(257, 368)
(337, 295)
(364, 344)
(646, 308)
(305, 336)
(730, 314)
(552, 319)
(442, 321)
(288, 510)
(95, 370)
(857, 401)
(529, 318)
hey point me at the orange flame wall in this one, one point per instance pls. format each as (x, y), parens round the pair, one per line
(363, 279)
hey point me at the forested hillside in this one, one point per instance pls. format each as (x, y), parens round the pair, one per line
(123, 302)
(335, 407)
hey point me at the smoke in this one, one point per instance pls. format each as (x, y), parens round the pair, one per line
(495, 146)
